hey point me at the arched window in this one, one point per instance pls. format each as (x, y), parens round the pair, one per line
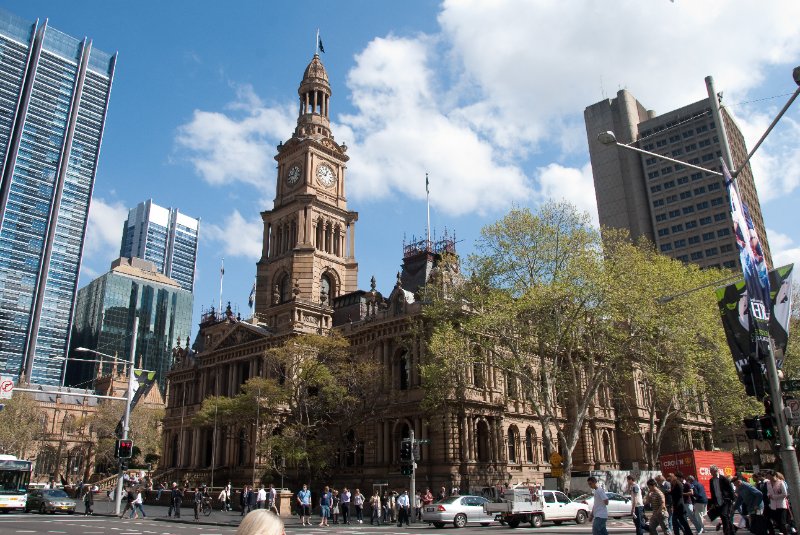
(325, 290)
(483, 442)
(320, 232)
(404, 370)
(478, 376)
(284, 288)
(513, 440)
(530, 445)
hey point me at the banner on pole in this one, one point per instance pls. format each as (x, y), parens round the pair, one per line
(733, 302)
(754, 266)
(143, 381)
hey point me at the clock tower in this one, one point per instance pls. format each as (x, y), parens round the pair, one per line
(308, 252)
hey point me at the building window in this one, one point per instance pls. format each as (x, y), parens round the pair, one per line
(677, 228)
(705, 220)
(702, 205)
(717, 201)
(671, 199)
(404, 370)
(511, 385)
(483, 441)
(674, 213)
(658, 202)
(711, 252)
(683, 180)
(661, 217)
(688, 209)
(691, 224)
(325, 289)
(697, 255)
(694, 239)
(663, 231)
(530, 445)
(708, 236)
(685, 195)
(720, 217)
(723, 232)
(669, 184)
(513, 440)
(700, 190)
(666, 247)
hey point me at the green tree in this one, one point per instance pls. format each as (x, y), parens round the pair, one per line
(20, 425)
(539, 305)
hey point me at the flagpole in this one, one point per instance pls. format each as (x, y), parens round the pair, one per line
(221, 276)
(316, 44)
(428, 203)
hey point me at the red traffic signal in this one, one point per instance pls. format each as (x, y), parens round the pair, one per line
(124, 449)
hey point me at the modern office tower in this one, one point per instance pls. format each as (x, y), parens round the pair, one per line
(104, 319)
(54, 92)
(683, 211)
(165, 237)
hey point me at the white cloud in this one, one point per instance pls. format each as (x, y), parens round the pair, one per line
(103, 234)
(570, 184)
(402, 130)
(535, 62)
(237, 236)
(784, 250)
(237, 146)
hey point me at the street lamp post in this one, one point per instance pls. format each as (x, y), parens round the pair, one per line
(786, 448)
(129, 399)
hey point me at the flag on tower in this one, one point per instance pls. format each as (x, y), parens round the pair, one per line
(321, 48)
(252, 298)
(427, 185)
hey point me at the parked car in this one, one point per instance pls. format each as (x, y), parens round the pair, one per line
(618, 505)
(457, 510)
(50, 501)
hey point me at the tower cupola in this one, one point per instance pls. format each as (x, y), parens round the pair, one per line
(315, 95)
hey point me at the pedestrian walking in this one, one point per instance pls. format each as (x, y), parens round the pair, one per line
(304, 504)
(599, 514)
(223, 498)
(377, 509)
(244, 500)
(637, 504)
(325, 506)
(403, 506)
(198, 503)
(700, 502)
(418, 506)
(88, 500)
(138, 504)
(129, 497)
(778, 494)
(722, 498)
(175, 501)
(272, 499)
(261, 499)
(345, 505)
(658, 504)
(228, 490)
(679, 521)
(336, 502)
(358, 503)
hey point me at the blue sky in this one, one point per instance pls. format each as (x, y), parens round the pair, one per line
(487, 97)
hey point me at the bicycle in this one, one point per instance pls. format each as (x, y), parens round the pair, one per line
(205, 507)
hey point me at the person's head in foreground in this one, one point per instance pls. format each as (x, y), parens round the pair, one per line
(261, 522)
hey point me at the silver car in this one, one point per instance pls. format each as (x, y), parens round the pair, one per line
(50, 501)
(618, 505)
(457, 510)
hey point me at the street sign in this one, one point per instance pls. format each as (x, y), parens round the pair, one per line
(424, 441)
(6, 387)
(790, 385)
(557, 472)
(555, 459)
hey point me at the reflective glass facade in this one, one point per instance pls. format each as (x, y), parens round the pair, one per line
(104, 322)
(165, 237)
(54, 93)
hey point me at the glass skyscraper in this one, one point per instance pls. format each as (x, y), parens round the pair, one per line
(54, 92)
(104, 319)
(165, 237)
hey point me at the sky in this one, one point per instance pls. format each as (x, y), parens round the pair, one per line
(485, 97)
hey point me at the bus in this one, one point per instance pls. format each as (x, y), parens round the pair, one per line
(15, 474)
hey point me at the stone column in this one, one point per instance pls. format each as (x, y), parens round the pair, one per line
(285, 503)
(351, 231)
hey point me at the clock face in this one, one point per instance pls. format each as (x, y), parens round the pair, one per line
(325, 175)
(294, 175)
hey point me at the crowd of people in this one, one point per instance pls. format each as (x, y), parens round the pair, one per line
(676, 502)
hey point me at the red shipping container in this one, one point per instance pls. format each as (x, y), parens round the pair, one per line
(696, 463)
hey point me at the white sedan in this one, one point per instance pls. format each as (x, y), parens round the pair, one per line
(618, 505)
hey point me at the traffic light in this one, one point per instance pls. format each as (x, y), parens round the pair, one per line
(405, 451)
(768, 431)
(753, 428)
(407, 469)
(753, 379)
(124, 449)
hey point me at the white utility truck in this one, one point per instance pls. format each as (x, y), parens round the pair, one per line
(535, 505)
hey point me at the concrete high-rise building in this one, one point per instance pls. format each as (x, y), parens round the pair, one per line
(54, 92)
(682, 210)
(104, 319)
(165, 237)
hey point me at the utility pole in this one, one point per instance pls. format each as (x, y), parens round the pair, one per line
(786, 450)
(413, 485)
(126, 420)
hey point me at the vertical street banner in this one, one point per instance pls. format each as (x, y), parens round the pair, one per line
(733, 302)
(143, 381)
(754, 266)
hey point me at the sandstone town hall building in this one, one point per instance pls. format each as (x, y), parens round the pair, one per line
(307, 283)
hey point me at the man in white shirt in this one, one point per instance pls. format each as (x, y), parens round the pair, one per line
(261, 499)
(599, 514)
(637, 504)
(403, 504)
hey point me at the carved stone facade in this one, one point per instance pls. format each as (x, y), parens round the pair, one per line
(306, 283)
